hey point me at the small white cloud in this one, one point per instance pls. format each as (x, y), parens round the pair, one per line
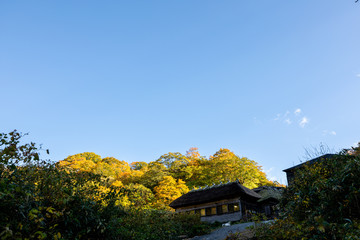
(358, 75)
(297, 111)
(273, 179)
(288, 121)
(277, 117)
(303, 122)
(269, 170)
(281, 116)
(268, 174)
(326, 132)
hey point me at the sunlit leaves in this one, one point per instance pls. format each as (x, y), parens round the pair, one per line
(225, 166)
(190, 170)
(12, 152)
(91, 162)
(168, 190)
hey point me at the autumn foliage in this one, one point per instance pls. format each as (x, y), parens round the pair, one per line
(86, 196)
(158, 183)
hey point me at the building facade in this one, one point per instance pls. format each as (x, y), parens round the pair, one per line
(222, 203)
(291, 172)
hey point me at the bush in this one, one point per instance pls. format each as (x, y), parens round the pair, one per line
(322, 203)
(155, 224)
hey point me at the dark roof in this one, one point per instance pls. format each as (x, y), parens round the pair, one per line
(310, 162)
(215, 193)
(269, 193)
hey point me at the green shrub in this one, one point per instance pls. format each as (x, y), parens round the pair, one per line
(155, 224)
(322, 203)
(38, 200)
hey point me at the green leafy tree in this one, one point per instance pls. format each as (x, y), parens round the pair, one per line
(12, 153)
(153, 176)
(139, 166)
(225, 166)
(322, 203)
(356, 150)
(176, 164)
(137, 196)
(42, 201)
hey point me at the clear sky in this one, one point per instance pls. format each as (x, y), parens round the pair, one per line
(137, 79)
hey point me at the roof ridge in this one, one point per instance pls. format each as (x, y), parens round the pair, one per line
(221, 184)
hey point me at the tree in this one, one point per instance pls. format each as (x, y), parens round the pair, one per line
(170, 159)
(136, 196)
(81, 162)
(154, 175)
(13, 154)
(91, 162)
(168, 190)
(139, 166)
(193, 153)
(225, 166)
(356, 150)
(39, 200)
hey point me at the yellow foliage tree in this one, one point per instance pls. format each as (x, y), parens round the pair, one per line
(193, 153)
(168, 190)
(90, 162)
(225, 166)
(81, 162)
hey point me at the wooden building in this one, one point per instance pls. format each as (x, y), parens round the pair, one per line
(291, 172)
(222, 203)
(270, 198)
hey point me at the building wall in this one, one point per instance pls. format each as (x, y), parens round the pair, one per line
(209, 204)
(220, 217)
(227, 217)
(290, 177)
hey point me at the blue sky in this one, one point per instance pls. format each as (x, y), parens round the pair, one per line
(137, 79)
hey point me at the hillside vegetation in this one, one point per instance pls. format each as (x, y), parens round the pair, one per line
(156, 184)
(86, 196)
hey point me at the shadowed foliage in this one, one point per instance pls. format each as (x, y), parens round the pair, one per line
(322, 203)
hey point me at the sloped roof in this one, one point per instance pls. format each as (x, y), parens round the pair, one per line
(215, 193)
(312, 161)
(269, 192)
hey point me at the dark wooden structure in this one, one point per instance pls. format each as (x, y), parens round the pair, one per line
(291, 172)
(222, 203)
(270, 198)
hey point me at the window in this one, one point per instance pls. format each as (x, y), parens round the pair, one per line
(202, 212)
(197, 211)
(210, 211)
(234, 207)
(213, 211)
(224, 208)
